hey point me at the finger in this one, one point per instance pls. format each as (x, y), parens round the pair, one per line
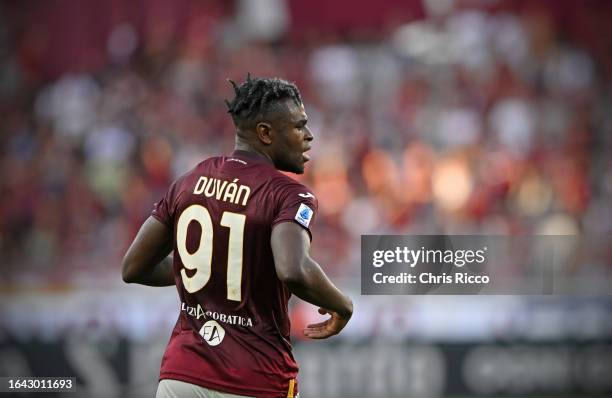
(318, 337)
(322, 334)
(309, 332)
(321, 331)
(318, 325)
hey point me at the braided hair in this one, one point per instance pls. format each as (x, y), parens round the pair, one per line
(257, 96)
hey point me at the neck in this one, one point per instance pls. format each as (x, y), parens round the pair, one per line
(242, 145)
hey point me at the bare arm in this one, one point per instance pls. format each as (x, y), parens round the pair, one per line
(305, 278)
(146, 261)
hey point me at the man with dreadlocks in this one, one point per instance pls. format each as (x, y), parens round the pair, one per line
(240, 233)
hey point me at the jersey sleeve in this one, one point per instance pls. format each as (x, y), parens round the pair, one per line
(297, 204)
(163, 210)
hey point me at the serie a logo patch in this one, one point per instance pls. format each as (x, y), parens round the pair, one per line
(304, 215)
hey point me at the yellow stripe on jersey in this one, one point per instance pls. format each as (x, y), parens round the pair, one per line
(291, 387)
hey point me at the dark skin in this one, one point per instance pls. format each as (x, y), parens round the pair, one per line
(147, 260)
(282, 137)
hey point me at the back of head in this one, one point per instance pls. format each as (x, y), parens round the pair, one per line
(257, 97)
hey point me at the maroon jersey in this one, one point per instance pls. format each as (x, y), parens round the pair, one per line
(232, 334)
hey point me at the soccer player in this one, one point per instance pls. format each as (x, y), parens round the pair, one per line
(240, 233)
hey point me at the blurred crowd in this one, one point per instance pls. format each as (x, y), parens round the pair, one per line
(465, 121)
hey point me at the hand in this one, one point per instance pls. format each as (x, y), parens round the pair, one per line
(327, 328)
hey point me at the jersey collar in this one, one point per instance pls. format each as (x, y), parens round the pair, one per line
(252, 156)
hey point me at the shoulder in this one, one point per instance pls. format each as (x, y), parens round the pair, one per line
(206, 164)
(285, 185)
(295, 202)
(281, 180)
(188, 178)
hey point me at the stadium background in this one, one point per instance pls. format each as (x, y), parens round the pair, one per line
(449, 116)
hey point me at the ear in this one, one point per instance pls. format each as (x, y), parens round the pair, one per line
(264, 132)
